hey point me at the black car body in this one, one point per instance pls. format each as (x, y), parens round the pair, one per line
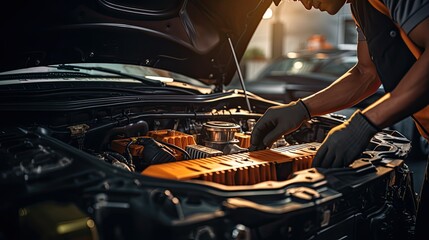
(115, 126)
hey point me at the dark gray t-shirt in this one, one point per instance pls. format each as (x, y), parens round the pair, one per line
(406, 13)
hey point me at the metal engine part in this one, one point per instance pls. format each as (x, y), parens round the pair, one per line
(219, 131)
(199, 151)
(220, 135)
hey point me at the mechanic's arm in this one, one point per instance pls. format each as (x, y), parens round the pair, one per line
(354, 86)
(357, 84)
(345, 142)
(412, 92)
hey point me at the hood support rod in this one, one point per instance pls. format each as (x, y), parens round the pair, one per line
(240, 76)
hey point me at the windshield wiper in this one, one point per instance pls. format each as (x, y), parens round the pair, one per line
(108, 70)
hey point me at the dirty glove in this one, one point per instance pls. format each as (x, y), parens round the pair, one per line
(278, 121)
(345, 142)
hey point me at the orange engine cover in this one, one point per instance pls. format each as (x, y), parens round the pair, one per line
(242, 168)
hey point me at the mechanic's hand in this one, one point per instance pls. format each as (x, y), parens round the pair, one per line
(277, 121)
(345, 142)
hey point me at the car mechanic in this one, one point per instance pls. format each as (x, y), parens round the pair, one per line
(392, 42)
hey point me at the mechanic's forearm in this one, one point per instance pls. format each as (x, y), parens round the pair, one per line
(411, 95)
(351, 88)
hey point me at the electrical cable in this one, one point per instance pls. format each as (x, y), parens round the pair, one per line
(178, 148)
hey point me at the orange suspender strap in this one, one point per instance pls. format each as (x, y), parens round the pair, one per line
(354, 19)
(377, 4)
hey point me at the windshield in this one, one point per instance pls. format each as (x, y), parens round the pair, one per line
(82, 74)
(292, 66)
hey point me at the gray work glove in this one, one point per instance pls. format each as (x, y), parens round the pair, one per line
(276, 122)
(345, 142)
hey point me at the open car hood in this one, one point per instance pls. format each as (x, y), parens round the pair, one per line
(185, 36)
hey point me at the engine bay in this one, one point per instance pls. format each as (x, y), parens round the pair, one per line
(208, 150)
(204, 140)
(139, 173)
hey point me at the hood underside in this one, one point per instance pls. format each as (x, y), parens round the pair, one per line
(185, 36)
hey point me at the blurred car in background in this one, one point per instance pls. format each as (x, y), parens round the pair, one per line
(302, 73)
